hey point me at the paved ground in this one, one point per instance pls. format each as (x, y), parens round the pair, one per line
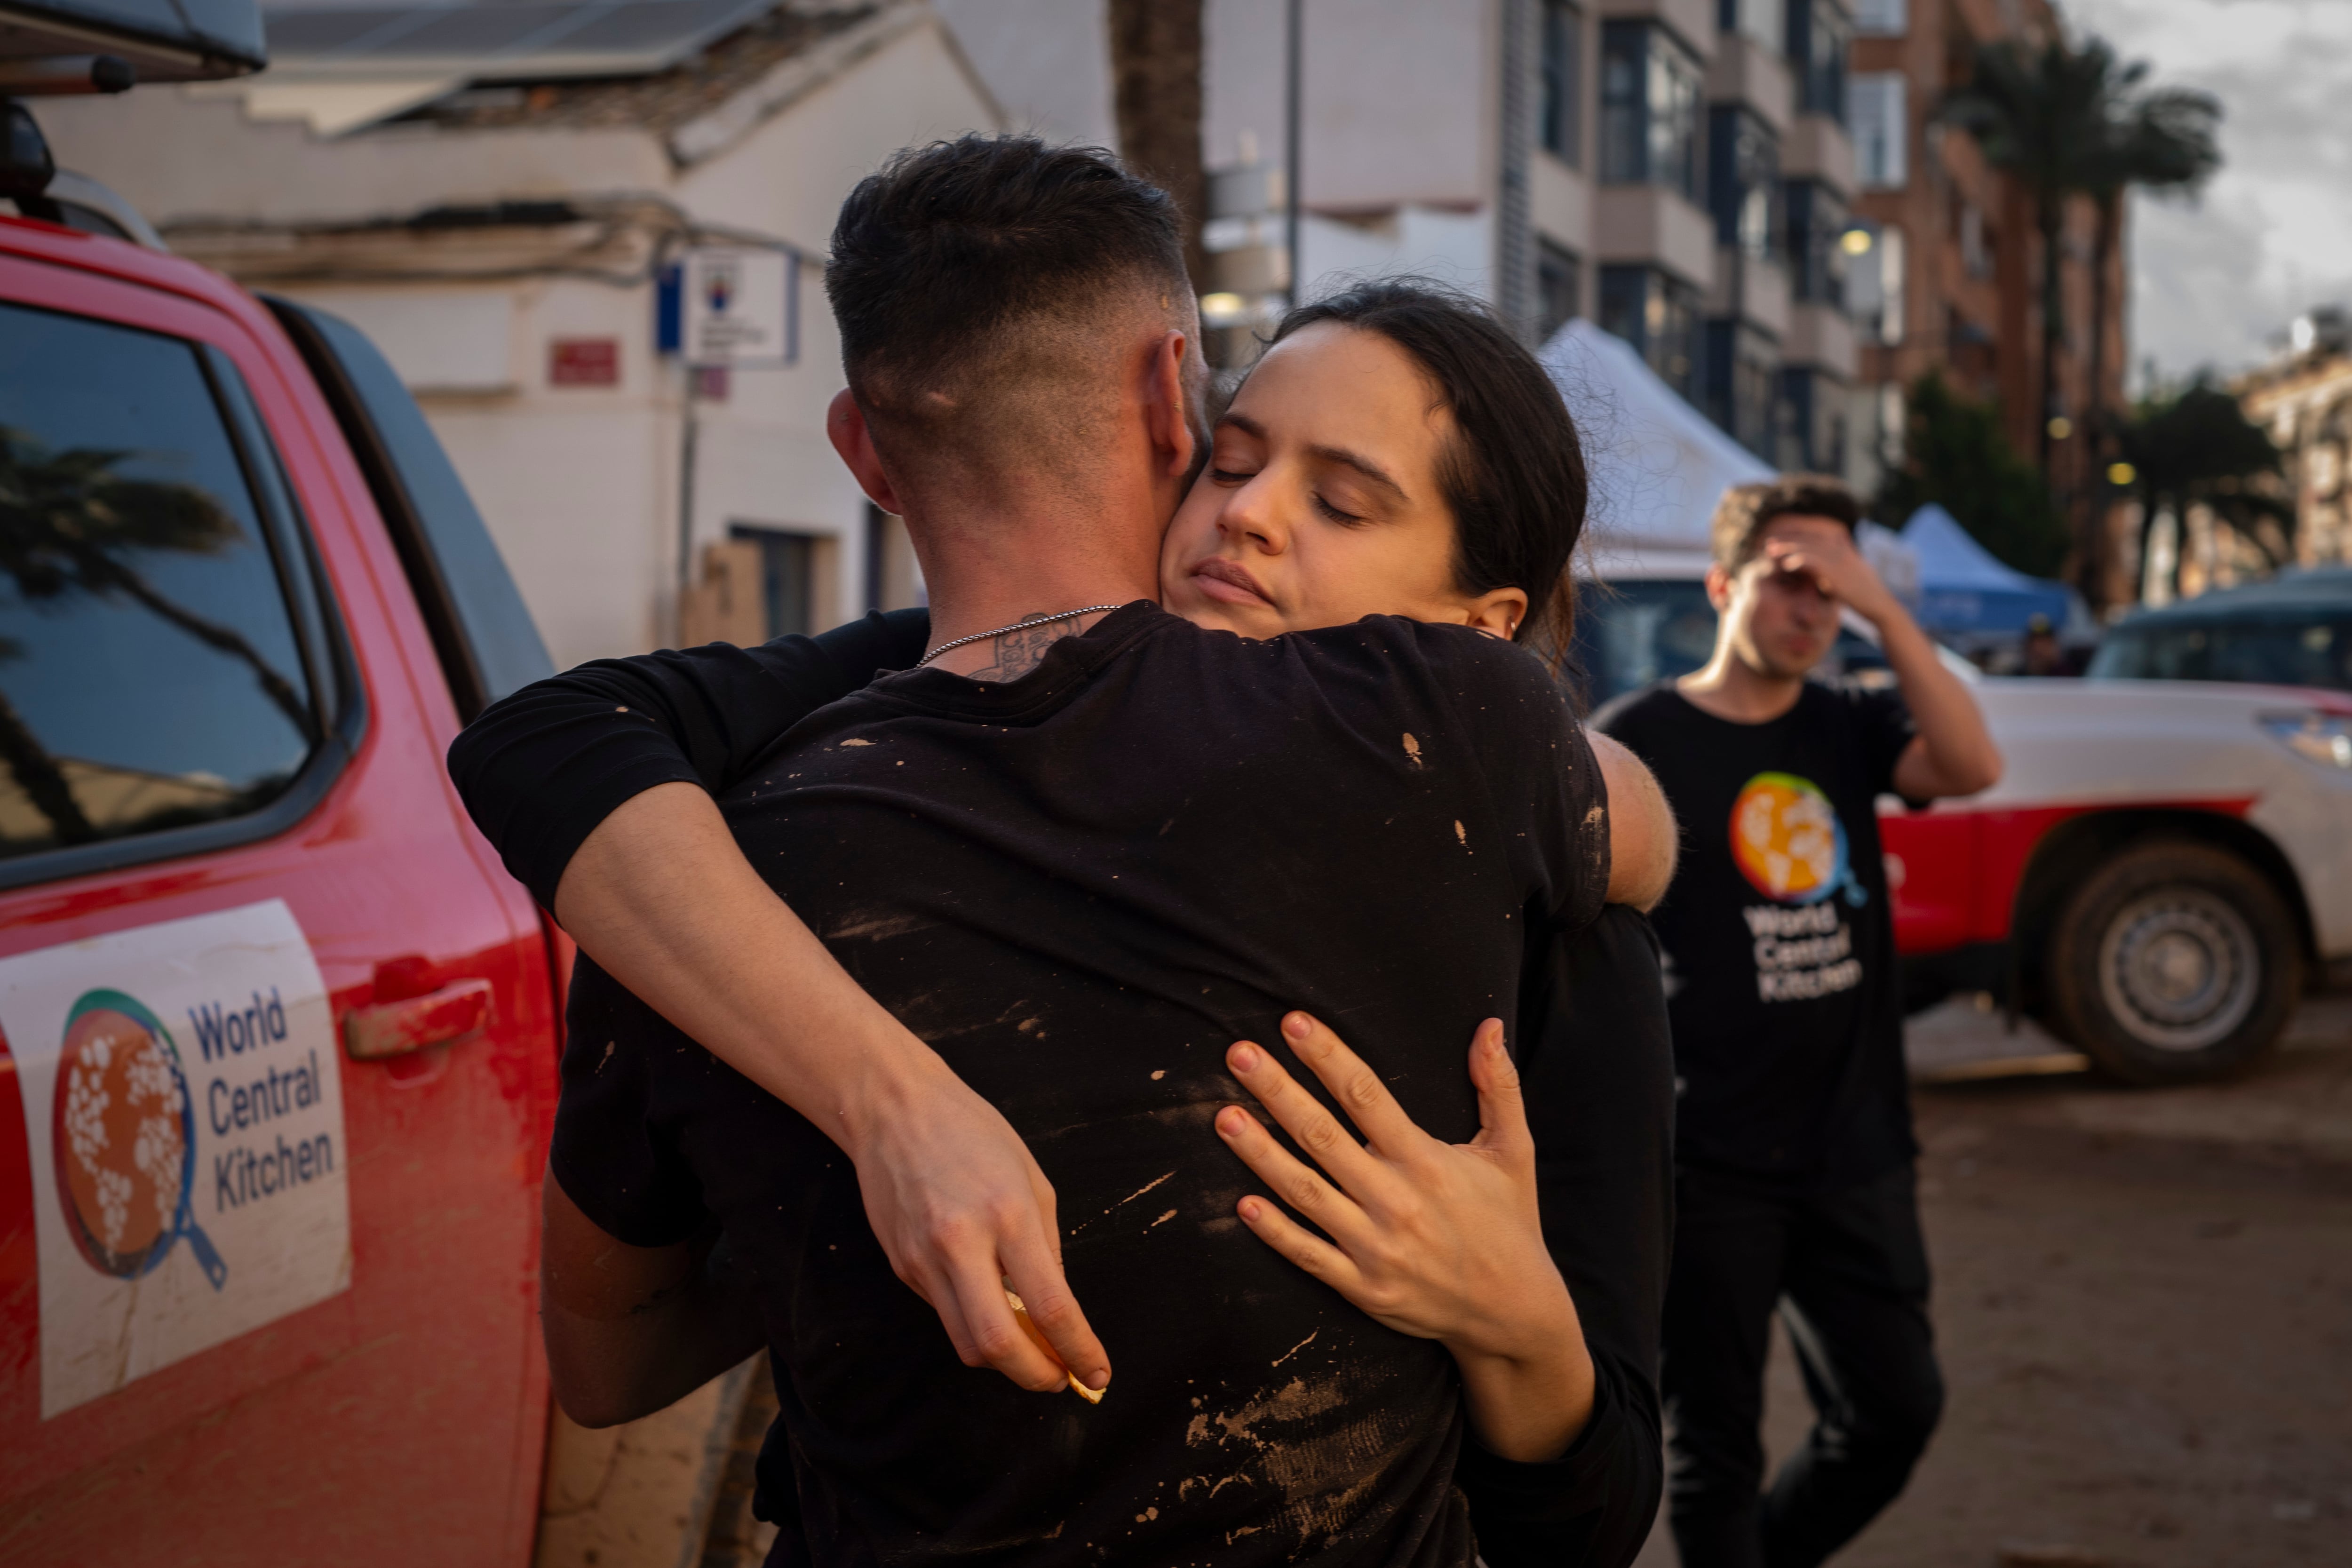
(2144, 1300)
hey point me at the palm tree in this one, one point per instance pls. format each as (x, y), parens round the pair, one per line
(2162, 140)
(2195, 445)
(2067, 122)
(2041, 117)
(1155, 68)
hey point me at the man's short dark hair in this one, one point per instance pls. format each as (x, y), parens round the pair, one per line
(1745, 509)
(966, 272)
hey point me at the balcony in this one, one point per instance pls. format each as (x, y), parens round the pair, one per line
(1693, 21)
(1819, 336)
(1744, 71)
(1561, 200)
(1817, 148)
(1651, 225)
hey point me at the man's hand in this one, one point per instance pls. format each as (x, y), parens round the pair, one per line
(660, 896)
(963, 1211)
(1823, 551)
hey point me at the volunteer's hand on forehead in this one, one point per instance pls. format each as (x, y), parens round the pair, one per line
(1821, 552)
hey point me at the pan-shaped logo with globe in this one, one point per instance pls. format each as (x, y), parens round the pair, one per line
(123, 1133)
(1787, 840)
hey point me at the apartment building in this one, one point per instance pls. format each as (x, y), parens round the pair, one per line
(1678, 171)
(2304, 398)
(1949, 266)
(1722, 175)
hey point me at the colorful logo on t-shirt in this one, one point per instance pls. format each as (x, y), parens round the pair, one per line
(1787, 840)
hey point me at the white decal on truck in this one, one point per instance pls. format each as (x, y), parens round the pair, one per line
(183, 1110)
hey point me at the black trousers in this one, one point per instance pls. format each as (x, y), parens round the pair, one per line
(1848, 1272)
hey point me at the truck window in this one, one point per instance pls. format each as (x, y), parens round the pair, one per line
(1631, 633)
(151, 675)
(2314, 648)
(487, 640)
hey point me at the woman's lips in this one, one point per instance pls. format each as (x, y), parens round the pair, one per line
(1229, 583)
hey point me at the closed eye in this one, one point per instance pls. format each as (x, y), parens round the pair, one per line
(1230, 477)
(1344, 519)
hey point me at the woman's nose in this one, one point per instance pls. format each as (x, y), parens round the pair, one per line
(1251, 516)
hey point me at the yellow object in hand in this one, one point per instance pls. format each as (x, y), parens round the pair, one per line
(1037, 1337)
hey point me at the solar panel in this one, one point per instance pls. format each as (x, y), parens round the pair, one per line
(295, 32)
(513, 39)
(172, 40)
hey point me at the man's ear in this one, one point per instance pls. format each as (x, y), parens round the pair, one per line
(1167, 410)
(1718, 586)
(844, 426)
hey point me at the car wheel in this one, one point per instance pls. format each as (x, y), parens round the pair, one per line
(2175, 961)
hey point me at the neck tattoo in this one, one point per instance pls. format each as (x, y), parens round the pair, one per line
(1022, 645)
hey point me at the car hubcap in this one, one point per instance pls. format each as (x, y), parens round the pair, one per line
(2178, 969)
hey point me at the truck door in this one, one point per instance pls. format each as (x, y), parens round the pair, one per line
(278, 1037)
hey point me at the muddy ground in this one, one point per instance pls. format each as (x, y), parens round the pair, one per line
(2143, 1307)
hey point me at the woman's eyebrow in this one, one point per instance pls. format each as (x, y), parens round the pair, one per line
(1362, 465)
(1339, 455)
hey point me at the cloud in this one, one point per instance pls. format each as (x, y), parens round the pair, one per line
(2215, 282)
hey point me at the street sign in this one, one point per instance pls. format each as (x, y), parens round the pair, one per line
(740, 307)
(583, 361)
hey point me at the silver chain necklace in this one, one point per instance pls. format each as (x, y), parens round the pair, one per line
(1016, 626)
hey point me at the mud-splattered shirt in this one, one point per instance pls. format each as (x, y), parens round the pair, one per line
(1080, 887)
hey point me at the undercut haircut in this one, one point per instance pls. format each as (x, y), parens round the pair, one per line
(976, 282)
(1745, 510)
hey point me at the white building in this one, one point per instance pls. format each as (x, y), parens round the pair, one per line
(496, 212)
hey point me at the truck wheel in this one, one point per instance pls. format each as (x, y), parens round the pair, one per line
(2175, 961)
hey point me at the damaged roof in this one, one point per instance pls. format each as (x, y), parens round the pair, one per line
(660, 101)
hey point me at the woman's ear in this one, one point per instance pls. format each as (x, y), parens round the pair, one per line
(1498, 612)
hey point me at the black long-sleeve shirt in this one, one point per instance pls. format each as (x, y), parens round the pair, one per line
(541, 769)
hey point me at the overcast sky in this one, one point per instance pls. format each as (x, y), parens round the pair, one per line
(2215, 282)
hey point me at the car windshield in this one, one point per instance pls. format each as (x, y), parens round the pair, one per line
(2310, 648)
(1629, 634)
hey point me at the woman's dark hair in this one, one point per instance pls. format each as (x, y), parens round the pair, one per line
(1515, 479)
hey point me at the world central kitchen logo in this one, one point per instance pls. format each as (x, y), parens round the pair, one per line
(126, 1126)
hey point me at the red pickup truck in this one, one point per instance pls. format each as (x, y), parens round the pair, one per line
(278, 1035)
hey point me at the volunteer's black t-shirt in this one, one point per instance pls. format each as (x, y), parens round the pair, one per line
(1778, 936)
(1080, 887)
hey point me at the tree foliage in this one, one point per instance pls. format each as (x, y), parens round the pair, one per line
(2194, 444)
(1956, 455)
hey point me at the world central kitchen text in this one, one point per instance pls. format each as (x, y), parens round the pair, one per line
(246, 1098)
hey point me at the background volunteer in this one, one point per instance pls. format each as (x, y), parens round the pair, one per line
(1794, 1181)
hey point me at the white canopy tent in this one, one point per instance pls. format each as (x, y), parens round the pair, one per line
(1659, 465)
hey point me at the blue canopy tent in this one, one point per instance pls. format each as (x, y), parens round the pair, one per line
(1965, 594)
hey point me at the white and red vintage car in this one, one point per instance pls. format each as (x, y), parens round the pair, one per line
(2163, 870)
